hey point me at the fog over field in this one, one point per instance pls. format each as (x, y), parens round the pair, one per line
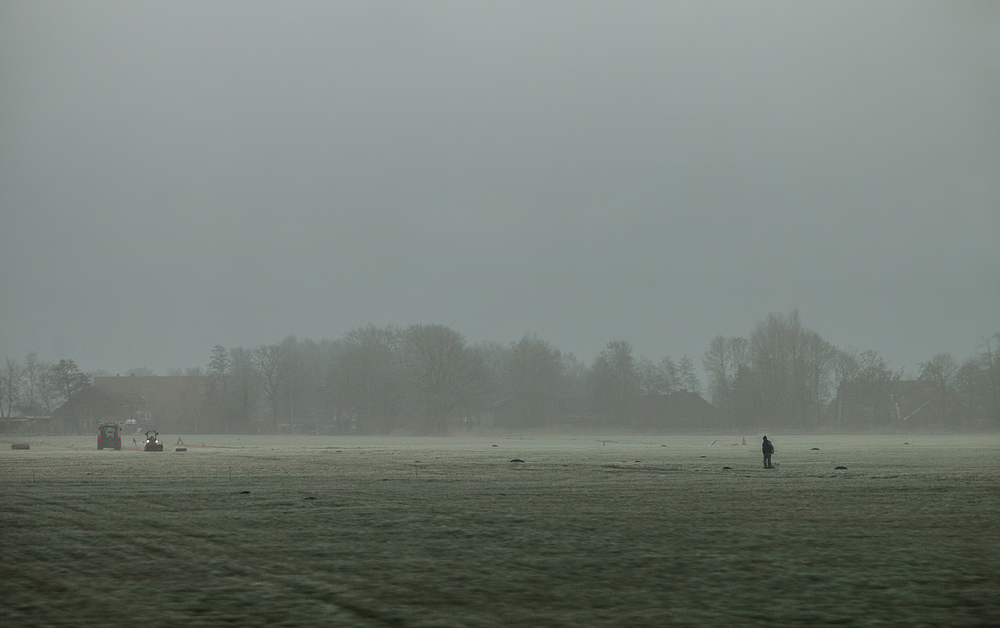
(573, 530)
(180, 175)
(577, 251)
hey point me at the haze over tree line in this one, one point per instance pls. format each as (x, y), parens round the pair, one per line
(178, 174)
(391, 379)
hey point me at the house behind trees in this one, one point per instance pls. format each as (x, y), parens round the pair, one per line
(168, 403)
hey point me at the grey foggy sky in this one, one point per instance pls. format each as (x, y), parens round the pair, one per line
(175, 175)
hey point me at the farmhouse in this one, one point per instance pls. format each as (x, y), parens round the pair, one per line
(171, 403)
(82, 414)
(678, 411)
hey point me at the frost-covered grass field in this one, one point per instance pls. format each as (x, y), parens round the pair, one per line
(587, 531)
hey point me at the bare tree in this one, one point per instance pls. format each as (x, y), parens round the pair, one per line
(972, 384)
(34, 371)
(69, 380)
(48, 388)
(846, 366)
(781, 373)
(816, 365)
(652, 380)
(993, 366)
(496, 358)
(574, 376)
(219, 364)
(366, 380)
(671, 375)
(533, 375)
(941, 370)
(689, 378)
(296, 379)
(272, 375)
(11, 379)
(725, 361)
(774, 346)
(193, 402)
(743, 396)
(721, 374)
(615, 382)
(243, 395)
(441, 371)
(792, 366)
(216, 390)
(308, 363)
(876, 376)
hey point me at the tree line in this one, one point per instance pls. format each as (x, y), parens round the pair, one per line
(786, 375)
(418, 378)
(36, 388)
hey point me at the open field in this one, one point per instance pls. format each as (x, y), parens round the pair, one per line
(370, 531)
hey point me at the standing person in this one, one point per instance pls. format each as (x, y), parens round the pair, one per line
(768, 449)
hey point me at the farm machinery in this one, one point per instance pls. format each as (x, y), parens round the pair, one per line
(152, 442)
(109, 436)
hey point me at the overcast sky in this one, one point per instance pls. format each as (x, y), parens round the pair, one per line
(175, 175)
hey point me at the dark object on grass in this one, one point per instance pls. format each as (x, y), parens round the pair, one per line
(703, 456)
(152, 442)
(724, 468)
(906, 443)
(814, 449)
(244, 492)
(840, 468)
(517, 460)
(494, 445)
(181, 449)
(310, 498)
(20, 446)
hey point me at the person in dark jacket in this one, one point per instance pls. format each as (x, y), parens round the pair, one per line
(768, 449)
